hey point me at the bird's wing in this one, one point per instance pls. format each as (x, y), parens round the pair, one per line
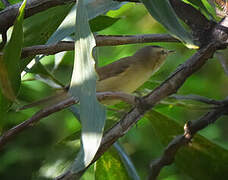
(112, 69)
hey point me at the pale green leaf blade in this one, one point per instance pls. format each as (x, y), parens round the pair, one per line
(83, 86)
(110, 167)
(9, 63)
(210, 157)
(163, 12)
(94, 9)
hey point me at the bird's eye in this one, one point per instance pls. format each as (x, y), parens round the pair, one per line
(163, 51)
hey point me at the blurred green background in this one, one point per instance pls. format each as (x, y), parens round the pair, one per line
(42, 151)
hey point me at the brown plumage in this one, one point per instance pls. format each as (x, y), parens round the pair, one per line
(129, 73)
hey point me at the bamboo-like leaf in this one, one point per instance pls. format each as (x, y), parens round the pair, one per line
(163, 12)
(200, 5)
(9, 62)
(94, 7)
(202, 159)
(83, 86)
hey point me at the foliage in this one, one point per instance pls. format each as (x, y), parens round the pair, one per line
(50, 147)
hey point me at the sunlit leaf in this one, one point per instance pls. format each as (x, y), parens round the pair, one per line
(163, 12)
(202, 159)
(83, 86)
(110, 167)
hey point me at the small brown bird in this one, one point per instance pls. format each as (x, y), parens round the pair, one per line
(124, 75)
(129, 73)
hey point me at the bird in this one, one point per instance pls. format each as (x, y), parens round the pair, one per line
(124, 75)
(129, 73)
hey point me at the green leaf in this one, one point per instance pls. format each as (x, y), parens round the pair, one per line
(110, 167)
(83, 86)
(203, 5)
(101, 22)
(39, 27)
(9, 67)
(95, 8)
(163, 12)
(202, 159)
(127, 162)
(9, 64)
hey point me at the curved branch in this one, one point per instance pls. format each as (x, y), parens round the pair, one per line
(8, 135)
(101, 40)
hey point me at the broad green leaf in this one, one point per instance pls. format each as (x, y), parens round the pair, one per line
(94, 9)
(202, 159)
(110, 167)
(83, 86)
(101, 22)
(9, 67)
(163, 12)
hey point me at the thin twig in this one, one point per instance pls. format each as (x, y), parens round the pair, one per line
(172, 148)
(8, 135)
(101, 40)
(197, 98)
(9, 14)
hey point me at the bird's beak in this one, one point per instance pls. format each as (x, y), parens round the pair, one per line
(170, 51)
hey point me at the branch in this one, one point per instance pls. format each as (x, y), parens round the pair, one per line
(190, 128)
(9, 14)
(8, 135)
(101, 40)
(197, 98)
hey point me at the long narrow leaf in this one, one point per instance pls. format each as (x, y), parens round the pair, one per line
(83, 86)
(9, 64)
(163, 12)
(94, 7)
(9, 67)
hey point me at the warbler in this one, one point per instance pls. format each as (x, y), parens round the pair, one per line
(124, 75)
(129, 73)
